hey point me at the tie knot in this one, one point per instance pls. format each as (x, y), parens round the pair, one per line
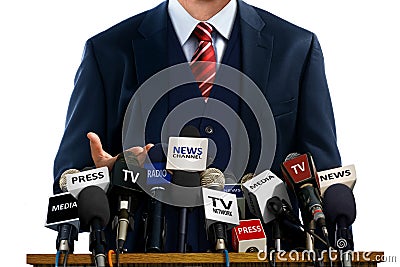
(203, 31)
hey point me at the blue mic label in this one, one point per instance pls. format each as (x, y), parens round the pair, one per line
(157, 174)
(234, 189)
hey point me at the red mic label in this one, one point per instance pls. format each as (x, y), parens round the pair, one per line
(298, 168)
(249, 230)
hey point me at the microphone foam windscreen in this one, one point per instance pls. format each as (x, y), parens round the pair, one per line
(339, 204)
(93, 203)
(189, 131)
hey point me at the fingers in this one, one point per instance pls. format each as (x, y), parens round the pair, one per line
(148, 146)
(100, 157)
(140, 152)
(96, 148)
(137, 150)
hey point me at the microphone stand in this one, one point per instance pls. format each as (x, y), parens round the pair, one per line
(155, 223)
(276, 233)
(182, 228)
(345, 245)
(310, 243)
(97, 243)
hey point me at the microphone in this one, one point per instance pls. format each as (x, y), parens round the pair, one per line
(223, 214)
(157, 175)
(249, 236)
(94, 211)
(62, 216)
(124, 194)
(259, 190)
(187, 155)
(300, 173)
(345, 175)
(340, 207)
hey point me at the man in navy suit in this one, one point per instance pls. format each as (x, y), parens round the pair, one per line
(283, 60)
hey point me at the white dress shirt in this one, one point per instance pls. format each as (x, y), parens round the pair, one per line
(184, 24)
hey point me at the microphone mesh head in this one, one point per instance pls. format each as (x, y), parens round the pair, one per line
(212, 178)
(63, 179)
(292, 156)
(246, 178)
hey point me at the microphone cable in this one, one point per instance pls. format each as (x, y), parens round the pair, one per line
(57, 258)
(227, 263)
(58, 254)
(109, 257)
(65, 259)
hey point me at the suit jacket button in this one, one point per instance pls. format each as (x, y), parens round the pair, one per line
(209, 130)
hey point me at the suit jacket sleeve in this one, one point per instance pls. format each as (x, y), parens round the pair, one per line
(316, 131)
(86, 112)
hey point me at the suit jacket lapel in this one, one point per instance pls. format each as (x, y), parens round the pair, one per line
(150, 57)
(257, 46)
(151, 50)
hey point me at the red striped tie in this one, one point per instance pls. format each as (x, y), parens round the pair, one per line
(203, 61)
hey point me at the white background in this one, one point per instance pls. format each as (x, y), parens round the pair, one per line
(41, 45)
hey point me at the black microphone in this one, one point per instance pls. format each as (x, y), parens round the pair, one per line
(300, 173)
(124, 194)
(157, 176)
(285, 214)
(63, 215)
(262, 192)
(187, 179)
(283, 211)
(340, 209)
(94, 211)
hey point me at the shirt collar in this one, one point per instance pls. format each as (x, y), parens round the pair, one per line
(184, 23)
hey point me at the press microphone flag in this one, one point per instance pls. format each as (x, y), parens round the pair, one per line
(259, 189)
(299, 170)
(187, 154)
(98, 177)
(62, 216)
(220, 206)
(343, 175)
(62, 208)
(249, 236)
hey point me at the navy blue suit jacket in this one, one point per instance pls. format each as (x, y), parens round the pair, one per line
(284, 60)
